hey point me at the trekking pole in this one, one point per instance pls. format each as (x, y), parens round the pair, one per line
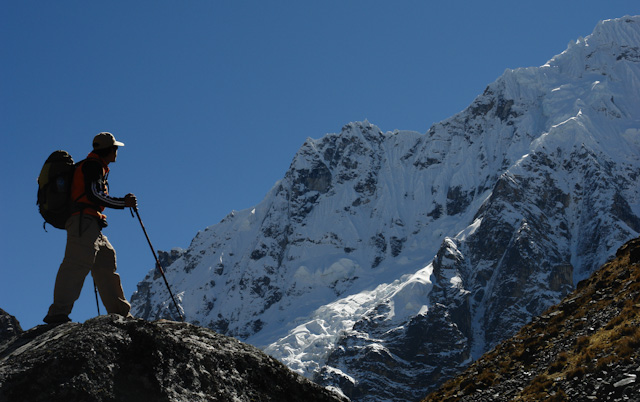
(158, 263)
(95, 289)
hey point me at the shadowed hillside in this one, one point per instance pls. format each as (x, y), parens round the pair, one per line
(585, 348)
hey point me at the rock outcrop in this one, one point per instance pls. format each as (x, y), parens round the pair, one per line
(9, 326)
(110, 358)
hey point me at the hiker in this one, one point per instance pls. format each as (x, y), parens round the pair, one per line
(88, 250)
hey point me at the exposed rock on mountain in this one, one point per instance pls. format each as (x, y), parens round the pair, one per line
(384, 263)
(9, 326)
(585, 348)
(110, 358)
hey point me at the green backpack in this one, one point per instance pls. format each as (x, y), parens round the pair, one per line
(54, 189)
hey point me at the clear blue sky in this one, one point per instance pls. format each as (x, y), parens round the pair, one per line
(214, 98)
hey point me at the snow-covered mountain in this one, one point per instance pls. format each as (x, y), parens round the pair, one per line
(383, 263)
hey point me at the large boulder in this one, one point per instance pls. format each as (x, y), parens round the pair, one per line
(110, 358)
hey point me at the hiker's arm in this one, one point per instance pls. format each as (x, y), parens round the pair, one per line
(96, 188)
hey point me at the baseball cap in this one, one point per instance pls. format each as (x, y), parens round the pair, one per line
(105, 140)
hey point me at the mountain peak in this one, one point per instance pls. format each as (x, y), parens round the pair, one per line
(624, 31)
(382, 254)
(611, 41)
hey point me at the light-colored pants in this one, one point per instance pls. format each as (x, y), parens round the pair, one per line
(88, 250)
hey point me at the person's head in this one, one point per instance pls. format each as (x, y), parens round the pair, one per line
(106, 146)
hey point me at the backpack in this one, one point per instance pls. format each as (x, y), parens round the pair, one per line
(54, 189)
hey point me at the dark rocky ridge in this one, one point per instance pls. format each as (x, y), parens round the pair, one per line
(9, 326)
(110, 358)
(585, 348)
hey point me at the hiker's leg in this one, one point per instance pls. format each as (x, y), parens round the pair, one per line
(107, 280)
(79, 256)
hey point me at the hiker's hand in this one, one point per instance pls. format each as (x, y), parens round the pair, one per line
(130, 201)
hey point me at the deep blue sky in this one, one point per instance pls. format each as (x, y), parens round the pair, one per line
(214, 98)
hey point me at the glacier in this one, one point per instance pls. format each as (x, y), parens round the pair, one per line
(385, 262)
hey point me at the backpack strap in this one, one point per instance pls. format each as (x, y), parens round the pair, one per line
(82, 206)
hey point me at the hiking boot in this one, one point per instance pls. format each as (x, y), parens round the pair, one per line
(56, 319)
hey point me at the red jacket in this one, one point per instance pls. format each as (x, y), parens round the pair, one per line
(90, 189)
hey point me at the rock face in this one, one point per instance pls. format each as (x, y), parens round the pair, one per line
(9, 326)
(384, 263)
(110, 358)
(585, 348)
